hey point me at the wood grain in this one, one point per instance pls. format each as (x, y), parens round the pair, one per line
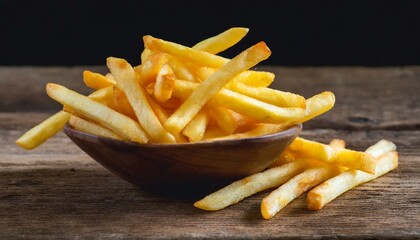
(57, 192)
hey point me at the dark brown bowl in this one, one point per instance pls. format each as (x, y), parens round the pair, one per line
(187, 168)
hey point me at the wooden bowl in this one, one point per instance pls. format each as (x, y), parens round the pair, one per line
(187, 168)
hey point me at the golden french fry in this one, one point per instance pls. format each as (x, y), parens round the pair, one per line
(213, 132)
(381, 147)
(183, 52)
(271, 96)
(89, 109)
(293, 188)
(181, 70)
(222, 41)
(96, 80)
(326, 192)
(253, 79)
(225, 119)
(193, 104)
(55, 123)
(164, 84)
(126, 80)
(344, 157)
(196, 128)
(122, 104)
(149, 70)
(92, 128)
(43, 131)
(241, 189)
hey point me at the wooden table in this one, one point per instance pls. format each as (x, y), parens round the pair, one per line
(57, 191)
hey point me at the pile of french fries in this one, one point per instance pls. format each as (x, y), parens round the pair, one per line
(180, 94)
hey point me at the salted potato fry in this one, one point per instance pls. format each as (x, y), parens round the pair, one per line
(343, 157)
(102, 95)
(271, 96)
(109, 75)
(241, 189)
(91, 128)
(222, 41)
(293, 188)
(193, 104)
(96, 80)
(196, 128)
(326, 192)
(125, 77)
(164, 84)
(43, 131)
(89, 109)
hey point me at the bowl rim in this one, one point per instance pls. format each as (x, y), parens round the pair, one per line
(292, 130)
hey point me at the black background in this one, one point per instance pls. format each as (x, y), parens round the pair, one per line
(299, 33)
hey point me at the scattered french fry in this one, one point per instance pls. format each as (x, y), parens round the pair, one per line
(293, 188)
(326, 192)
(237, 191)
(344, 157)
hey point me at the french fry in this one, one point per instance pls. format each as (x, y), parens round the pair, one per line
(164, 85)
(91, 128)
(329, 190)
(109, 75)
(193, 104)
(43, 131)
(87, 108)
(222, 41)
(96, 80)
(344, 157)
(183, 52)
(196, 128)
(225, 119)
(149, 70)
(126, 80)
(181, 70)
(204, 72)
(145, 55)
(122, 104)
(241, 189)
(253, 79)
(55, 123)
(271, 96)
(293, 188)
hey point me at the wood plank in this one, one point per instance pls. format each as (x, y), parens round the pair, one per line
(366, 98)
(56, 191)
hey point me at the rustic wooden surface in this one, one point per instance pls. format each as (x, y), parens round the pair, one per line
(57, 191)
